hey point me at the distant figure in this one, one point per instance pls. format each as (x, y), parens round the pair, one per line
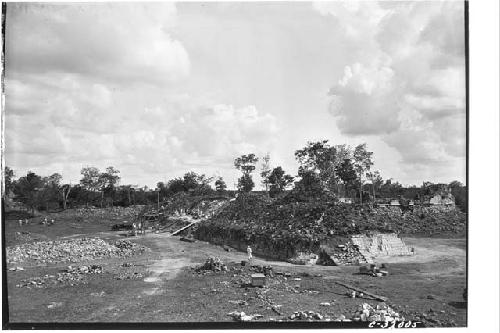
(44, 222)
(20, 222)
(134, 226)
(249, 252)
(52, 222)
(26, 221)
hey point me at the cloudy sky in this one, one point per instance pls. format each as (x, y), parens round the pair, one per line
(163, 88)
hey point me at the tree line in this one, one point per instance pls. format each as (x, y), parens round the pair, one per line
(339, 170)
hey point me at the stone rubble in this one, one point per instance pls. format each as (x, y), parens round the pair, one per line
(381, 312)
(213, 264)
(71, 250)
(241, 316)
(71, 276)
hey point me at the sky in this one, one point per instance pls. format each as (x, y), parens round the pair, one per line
(159, 89)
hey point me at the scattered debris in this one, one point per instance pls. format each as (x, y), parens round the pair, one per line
(129, 276)
(308, 315)
(373, 270)
(213, 264)
(53, 305)
(381, 312)
(16, 269)
(241, 316)
(239, 302)
(101, 294)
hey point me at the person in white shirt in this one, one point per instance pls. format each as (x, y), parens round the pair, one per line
(249, 252)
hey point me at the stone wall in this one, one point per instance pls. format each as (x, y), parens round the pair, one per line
(375, 245)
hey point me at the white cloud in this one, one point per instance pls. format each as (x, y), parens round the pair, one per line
(111, 42)
(406, 81)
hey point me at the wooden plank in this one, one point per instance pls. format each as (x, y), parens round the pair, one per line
(348, 286)
(185, 227)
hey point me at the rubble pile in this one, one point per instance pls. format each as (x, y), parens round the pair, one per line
(381, 312)
(71, 276)
(213, 264)
(348, 254)
(71, 250)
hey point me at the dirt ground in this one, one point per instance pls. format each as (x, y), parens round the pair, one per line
(426, 287)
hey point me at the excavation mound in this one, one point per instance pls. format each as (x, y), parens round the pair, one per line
(282, 228)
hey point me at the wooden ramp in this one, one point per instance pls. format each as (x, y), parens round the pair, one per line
(185, 227)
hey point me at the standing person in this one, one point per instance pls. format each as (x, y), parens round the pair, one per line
(249, 252)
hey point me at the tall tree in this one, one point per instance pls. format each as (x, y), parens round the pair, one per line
(108, 180)
(245, 183)
(90, 180)
(246, 164)
(376, 181)
(265, 171)
(321, 158)
(278, 181)
(8, 175)
(28, 188)
(362, 163)
(346, 173)
(65, 191)
(220, 185)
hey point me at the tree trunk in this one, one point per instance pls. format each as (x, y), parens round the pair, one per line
(64, 200)
(360, 189)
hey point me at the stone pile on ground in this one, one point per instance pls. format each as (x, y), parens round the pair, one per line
(381, 312)
(213, 264)
(71, 250)
(71, 276)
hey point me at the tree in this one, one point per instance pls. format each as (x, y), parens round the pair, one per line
(323, 159)
(90, 179)
(65, 191)
(459, 191)
(346, 172)
(265, 171)
(376, 180)
(51, 189)
(176, 185)
(27, 188)
(309, 186)
(107, 182)
(8, 179)
(278, 181)
(220, 185)
(246, 164)
(362, 163)
(245, 183)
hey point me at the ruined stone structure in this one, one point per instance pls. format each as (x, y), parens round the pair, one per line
(376, 245)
